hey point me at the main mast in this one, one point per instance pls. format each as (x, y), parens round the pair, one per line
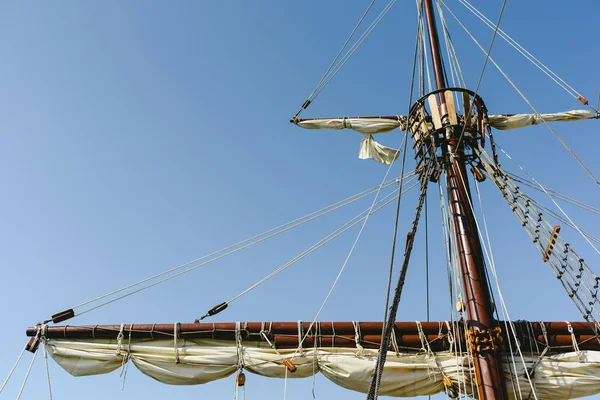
(478, 305)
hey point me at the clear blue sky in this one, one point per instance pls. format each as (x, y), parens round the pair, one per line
(139, 135)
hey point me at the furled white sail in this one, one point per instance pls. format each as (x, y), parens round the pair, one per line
(364, 125)
(368, 126)
(190, 362)
(515, 121)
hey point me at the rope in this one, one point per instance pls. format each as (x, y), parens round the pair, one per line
(333, 71)
(493, 268)
(357, 337)
(345, 227)
(12, 370)
(314, 363)
(264, 335)
(579, 161)
(397, 217)
(26, 376)
(555, 194)
(553, 201)
(246, 243)
(339, 53)
(426, 260)
(177, 329)
(358, 236)
(569, 268)
(530, 57)
(285, 384)
(485, 63)
(47, 369)
(580, 355)
(389, 326)
(504, 309)
(126, 358)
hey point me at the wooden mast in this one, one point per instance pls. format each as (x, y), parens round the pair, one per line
(488, 366)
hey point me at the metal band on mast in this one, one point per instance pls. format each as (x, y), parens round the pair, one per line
(488, 366)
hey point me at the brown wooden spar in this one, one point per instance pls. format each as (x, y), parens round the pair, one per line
(532, 336)
(488, 368)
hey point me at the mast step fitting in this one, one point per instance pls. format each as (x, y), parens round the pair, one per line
(290, 365)
(551, 242)
(33, 344)
(63, 316)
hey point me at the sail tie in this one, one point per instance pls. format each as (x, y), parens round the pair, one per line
(424, 343)
(316, 337)
(395, 343)
(289, 365)
(543, 353)
(357, 338)
(450, 336)
(300, 335)
(238, 344)
(240, 379)
(120, 340)
(176, 331)
(127, 356)
(580, 355)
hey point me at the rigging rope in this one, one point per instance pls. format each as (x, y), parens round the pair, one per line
(341, 50)
(560, 139)
(27, 376)
(555, 194)
(48, 368)
(341, 62)
(559, 218)
(490, 257)
(232, 248)
(530, 57)
(389, 325)
(571, 270)
(346, 226)
(358, 236)
(553, 201)
(418, 42)
(485, 63)
(12, 370)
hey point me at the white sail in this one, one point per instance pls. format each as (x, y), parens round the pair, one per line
(364, 125)
(515, 121)
(368, 126)
(369, 148)
(191, 362)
